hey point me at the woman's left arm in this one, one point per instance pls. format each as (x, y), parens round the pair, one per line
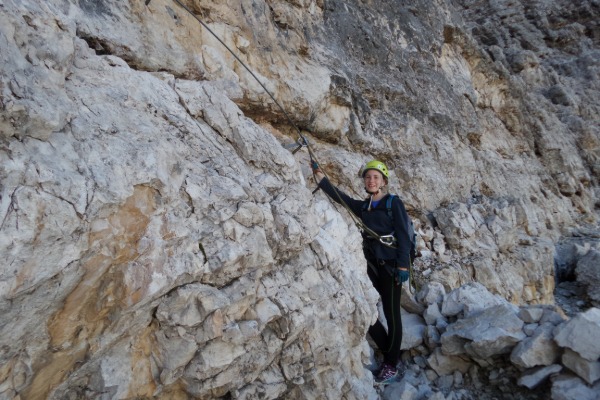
(401, 232)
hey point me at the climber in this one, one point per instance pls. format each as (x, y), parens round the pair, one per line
(388, 266)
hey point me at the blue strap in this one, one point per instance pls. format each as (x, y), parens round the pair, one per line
(388, 205)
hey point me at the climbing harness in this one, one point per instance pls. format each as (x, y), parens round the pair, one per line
(302, 141)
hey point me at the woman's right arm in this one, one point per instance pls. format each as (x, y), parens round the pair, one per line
(340, 197)
(336, 194)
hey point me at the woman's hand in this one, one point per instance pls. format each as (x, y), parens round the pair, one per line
(316, 170)
(401, 275)
(315, 166)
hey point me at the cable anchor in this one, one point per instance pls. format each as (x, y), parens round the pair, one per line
(300, 143)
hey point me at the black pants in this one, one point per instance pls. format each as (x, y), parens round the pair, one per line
(387, 341)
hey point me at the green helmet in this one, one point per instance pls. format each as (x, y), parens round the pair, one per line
(377, 165)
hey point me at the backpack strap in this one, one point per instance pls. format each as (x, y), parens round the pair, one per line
(388, 205)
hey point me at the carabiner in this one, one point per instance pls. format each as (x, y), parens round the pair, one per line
(387, 240)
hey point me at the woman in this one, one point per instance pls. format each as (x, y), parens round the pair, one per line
(388, 265)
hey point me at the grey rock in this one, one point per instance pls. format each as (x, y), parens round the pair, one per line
(530, 329)
(539, 349)
(444, 364)
(409, 303)
(413, 330)
(458, 379)
(585, 369)
(436, 396)
(475, 376)
(173, 354)
(432, 337)
(531, 315)
(445, 382)
(520, 60)
(401, 391)
(469, 299)
(580, 334)
(553, 316)
(189, 305)
(432, 313)
(420, 361)
(493, 331)
(588, 273)
(534, 377)
(431, 375)
(566, 387)
(431, 293)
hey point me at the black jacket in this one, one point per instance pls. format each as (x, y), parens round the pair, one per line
(379, 221)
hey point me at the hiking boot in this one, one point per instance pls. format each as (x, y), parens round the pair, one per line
(387, 374)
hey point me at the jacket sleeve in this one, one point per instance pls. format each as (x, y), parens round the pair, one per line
(401, 232)
(340, 197)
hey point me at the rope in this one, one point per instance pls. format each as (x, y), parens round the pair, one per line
(247, 69)
(358, 222)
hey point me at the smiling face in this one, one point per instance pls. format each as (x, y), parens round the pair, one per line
(374, 181)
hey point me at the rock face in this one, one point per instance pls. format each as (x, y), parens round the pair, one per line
(159, 239)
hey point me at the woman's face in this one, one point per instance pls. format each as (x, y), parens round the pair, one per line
(373, 181)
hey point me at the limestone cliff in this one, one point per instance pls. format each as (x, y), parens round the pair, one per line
(160, 240)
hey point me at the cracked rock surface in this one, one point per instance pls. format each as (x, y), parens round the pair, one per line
(159, 239)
